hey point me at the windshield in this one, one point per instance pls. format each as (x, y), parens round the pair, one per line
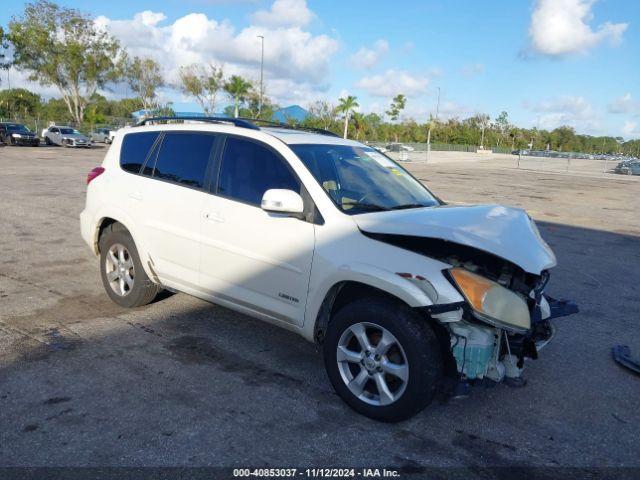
(69, 131)
(18, 129)
(359, 179)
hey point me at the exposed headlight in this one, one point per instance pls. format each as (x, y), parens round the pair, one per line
(16, 135)
(492, 302)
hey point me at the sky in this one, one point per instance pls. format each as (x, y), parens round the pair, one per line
(546, 62)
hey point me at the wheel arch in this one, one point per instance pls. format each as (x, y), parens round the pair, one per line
(342, 293)
(112, 218)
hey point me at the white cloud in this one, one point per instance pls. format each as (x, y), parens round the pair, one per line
(630, 130)
(284, 13)
(624, 104)
(296, 62)
(562, 27)
(574, 111)
(451, 109)
(393, 82)
(368, 58)
(472, 69)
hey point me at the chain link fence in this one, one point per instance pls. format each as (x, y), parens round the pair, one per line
(558, 162)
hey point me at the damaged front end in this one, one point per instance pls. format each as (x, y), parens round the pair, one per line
(505, 318)
(495, 347)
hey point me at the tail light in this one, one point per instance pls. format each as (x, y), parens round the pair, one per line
(96, 172)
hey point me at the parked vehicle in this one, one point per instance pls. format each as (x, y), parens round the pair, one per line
(379, 148)
(65, 137)
(398, 147)
(628, 167)
(101, 135)
(17, 134)
(330, 239)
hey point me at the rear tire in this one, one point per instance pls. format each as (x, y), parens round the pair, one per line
(396, 382)
(123, 275)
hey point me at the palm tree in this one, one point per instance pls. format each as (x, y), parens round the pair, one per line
(346, 106)
(238, 89)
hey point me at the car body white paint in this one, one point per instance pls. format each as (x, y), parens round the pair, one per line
(244, 257)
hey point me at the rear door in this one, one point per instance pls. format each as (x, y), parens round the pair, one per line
(255, 259)
(171, 195)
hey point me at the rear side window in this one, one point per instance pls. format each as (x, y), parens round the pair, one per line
(249, 169)
(135, 148)
(184, 157)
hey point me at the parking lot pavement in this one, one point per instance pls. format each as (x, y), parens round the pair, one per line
(183, 382)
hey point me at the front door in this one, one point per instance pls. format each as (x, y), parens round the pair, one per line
(250, 257)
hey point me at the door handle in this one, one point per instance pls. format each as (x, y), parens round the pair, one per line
(213, 217)
(135, 195)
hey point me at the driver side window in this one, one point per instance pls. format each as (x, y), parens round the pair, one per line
(249, 169)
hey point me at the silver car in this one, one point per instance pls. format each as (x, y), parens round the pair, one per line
(102, 135)
(66, 137)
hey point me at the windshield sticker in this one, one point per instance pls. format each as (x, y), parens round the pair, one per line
(382, 160)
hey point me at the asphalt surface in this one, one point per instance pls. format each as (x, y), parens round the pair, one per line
(185, 383)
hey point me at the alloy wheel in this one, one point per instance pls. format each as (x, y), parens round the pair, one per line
(372, 363)
(119, 269)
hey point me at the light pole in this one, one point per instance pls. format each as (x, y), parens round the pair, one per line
(261, 37)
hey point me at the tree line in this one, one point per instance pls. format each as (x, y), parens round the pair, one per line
(63, 47)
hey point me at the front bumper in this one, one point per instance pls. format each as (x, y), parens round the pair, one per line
(29, 141)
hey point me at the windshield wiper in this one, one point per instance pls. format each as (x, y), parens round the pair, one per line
(366, 206)
(408, 205)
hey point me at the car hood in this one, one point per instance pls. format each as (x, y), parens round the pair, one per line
(506, 232)
(75, 136)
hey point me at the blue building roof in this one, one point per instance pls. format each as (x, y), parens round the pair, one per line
(293, 112)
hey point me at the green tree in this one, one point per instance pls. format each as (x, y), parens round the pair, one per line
(503, 125)
(4, 44)
(237, 88)
(202, 83)
(65, 48)
(19, 102)
(94, 116)
(398, 104)
(144, 77)
(322, 115)
(359, 123)
(257, 108)
(346, 106)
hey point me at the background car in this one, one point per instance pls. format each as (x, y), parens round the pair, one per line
(66, 137)
(399, 147)
(379, 148)
(628, 167)
(17, 134)
(102, 135)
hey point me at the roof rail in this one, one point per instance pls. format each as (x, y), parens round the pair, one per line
(238, 122)
(270, 123)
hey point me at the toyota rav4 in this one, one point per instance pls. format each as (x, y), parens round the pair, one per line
(328, 238)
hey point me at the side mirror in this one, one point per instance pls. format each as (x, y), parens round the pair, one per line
(279, 200)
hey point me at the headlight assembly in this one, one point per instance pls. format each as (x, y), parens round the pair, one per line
(492, 302)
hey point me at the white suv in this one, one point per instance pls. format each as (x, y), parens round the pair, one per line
(330, 239)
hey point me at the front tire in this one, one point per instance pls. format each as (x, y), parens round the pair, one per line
(383, 359)
(123, 275)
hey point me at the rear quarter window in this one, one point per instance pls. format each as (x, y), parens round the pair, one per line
(134, 150)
